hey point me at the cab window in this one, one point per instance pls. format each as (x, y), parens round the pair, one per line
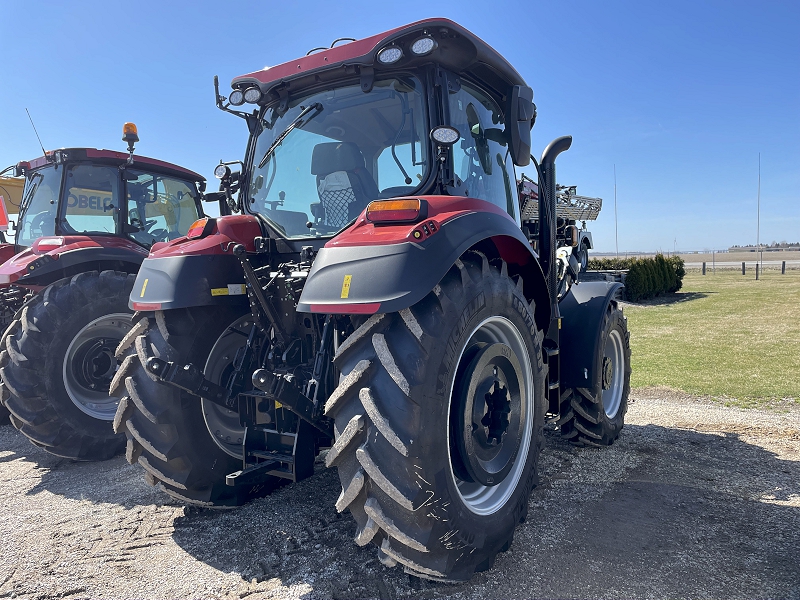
(92, 200)
(481, 158)
(39, 205)
(160, 208)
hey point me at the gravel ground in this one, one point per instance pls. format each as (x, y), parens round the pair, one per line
(695, 500)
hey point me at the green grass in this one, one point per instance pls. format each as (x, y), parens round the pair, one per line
(726, 336)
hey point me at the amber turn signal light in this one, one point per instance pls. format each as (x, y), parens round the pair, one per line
(200, 228)
(394, 211)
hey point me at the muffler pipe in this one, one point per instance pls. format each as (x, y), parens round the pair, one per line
(548, 218)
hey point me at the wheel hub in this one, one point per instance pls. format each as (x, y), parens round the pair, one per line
(89, 365)
(490, 425)
(94, 364)
(498, 407)
(608, 372)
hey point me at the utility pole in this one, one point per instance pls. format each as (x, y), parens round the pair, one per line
(758, 217)
(616, 230)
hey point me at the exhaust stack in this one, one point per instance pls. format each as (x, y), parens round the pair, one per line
(547, 215)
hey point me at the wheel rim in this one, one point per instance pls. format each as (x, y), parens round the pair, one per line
(223, 424)
(613, 373)
(584, 258)
(487, 499)
(89, 365)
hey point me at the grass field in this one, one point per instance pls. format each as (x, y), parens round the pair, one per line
(725, 335)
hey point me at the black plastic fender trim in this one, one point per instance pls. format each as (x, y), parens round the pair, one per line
(582, 311)
(184, 281)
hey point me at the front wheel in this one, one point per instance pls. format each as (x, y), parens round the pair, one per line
(583, 257)
(595, 416)
(438, 419)
(57, 362)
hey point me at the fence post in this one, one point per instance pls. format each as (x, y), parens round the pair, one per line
(756, 271)
(783, 268)
(704, 268)
(742, 268)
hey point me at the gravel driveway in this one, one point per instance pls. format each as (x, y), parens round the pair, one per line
(694, 500)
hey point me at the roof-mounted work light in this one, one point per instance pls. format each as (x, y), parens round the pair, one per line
(236, 98)
(424, 45)
(252, 95)
(390, 55)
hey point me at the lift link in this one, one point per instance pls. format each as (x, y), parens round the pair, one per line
(255, 286)
(190, 379)
(284, 389)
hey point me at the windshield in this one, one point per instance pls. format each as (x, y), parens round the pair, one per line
(39, 206)
(160, 208)
(333, 152)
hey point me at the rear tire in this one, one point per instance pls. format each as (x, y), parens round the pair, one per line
(401, 435)
(57, 361)
(166, 429)
(595, 416)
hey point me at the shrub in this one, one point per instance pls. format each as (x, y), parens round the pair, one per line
(647, 277)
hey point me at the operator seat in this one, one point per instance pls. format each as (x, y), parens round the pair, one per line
(344, 185)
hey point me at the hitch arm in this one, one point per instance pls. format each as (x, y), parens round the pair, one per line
(190, 379)
(284, 389)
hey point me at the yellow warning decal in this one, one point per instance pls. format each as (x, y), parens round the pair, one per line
(278, 404)
(144, 287)
(219, 291)
(346, 286)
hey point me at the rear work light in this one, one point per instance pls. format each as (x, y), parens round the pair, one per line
(200, 228)
(394, 211)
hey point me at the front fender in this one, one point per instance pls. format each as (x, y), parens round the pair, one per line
(582, 311)
(368, 278)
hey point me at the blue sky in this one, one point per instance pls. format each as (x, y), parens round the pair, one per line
(680, 96)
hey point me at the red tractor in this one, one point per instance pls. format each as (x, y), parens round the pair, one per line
(378, 297)
(87, 220)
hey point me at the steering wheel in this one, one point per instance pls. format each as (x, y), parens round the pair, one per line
(37, 224)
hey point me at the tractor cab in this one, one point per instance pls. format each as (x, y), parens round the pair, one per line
(426, 109)
(101, 193)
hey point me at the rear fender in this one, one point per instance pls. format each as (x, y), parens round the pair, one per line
(583, 311)
(370, 269)
(42, 265)
(197, 272)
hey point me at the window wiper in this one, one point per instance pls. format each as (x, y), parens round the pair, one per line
(298, 121)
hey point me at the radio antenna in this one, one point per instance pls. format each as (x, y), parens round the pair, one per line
(44, 152)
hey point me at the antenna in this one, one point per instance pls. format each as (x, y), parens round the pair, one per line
(616, 229)
(44, 152)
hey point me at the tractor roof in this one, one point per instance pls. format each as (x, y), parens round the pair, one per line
(112, 157)
(458, 50)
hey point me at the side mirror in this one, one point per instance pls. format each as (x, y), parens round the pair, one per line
(522, 116)
(214, 197)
